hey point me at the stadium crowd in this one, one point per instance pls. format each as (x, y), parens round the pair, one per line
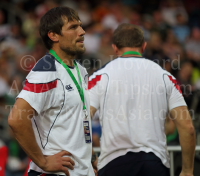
(171, 28)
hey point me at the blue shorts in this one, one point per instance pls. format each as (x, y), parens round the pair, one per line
(135, 164)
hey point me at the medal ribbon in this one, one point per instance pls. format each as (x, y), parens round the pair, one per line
(79, 87)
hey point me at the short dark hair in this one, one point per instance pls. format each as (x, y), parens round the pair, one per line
(128, 35)
(53, 21)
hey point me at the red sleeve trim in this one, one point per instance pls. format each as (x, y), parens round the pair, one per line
(41, 87)
(94, 81)
(175, 84)
(27, 169)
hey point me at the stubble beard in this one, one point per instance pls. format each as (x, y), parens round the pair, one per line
(74, 51)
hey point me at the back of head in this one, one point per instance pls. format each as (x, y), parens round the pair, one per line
(128, 35)
(53, 21)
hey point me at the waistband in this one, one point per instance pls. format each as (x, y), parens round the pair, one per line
(35, 173)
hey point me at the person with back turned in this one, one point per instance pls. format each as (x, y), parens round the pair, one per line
(134, 95)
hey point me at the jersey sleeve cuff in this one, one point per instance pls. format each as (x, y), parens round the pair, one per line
(177, 105)
(29, 100)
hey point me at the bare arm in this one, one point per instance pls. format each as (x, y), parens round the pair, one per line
(92, 111)
(20, 123)
(170, 127)
(187, 137)
(94, 163)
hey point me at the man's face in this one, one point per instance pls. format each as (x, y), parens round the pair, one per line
(72, 37)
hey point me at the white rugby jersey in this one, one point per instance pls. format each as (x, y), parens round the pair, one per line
(59, 124)
(134, 96)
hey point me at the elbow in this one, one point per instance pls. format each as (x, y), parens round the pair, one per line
(12, 122)
(191, 130)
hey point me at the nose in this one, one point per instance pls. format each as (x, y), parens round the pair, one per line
(81, 31)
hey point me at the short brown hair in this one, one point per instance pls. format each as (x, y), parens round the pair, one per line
(53, 21)
(128, 35)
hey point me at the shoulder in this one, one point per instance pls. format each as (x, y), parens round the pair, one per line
(100, 75)
(104, 69)
(83, 71)
(81, 67)
(44, 71)
(45, 64)
(167, 75)
(153, 65)
(154, 68)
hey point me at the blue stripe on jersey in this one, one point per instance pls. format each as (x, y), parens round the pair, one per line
(46, 63)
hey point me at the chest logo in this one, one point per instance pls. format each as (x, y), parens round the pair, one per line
(69, 87)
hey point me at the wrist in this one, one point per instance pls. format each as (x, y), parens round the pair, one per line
(94, 157)
(42, 163)
(187, 172)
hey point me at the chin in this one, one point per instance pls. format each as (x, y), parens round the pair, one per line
(81, 50)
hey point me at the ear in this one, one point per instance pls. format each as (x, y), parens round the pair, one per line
(115, 48)
(144, 46)
(53, 36)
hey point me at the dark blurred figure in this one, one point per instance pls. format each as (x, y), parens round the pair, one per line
(4, 26)
(159, 24)
(184, 78)
(193, 44)
(181, 30)
(155, 51)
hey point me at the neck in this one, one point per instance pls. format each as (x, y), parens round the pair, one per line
(123, 50)
(67, 59)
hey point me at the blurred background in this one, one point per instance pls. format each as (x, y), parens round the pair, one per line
(172, 31)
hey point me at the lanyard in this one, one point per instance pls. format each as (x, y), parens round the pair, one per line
(132, 52)
(79, 87)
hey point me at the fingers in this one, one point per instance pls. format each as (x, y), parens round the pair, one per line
(65, 170)
(67, 159)
(68, 164)
(63, 153)
(96, 172)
